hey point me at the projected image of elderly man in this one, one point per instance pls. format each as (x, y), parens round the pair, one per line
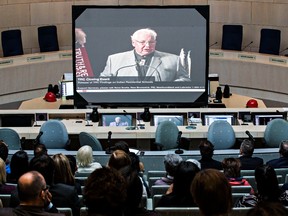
(145, 62)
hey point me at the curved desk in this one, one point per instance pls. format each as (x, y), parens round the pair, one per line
(254, 74)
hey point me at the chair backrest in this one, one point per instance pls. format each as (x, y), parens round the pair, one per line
(270, 41)
(232, 37)
(48, 38)
(156, 173)
(241, 189)
(166, 135)
(55, 135)
(11, 138)
(5, 198)
(88, 139)
(179, 211)
(12, 42)
(242, 211)
(221, 134)
(152, 180)
(83, 211)
(66, 211)
(275, 132)
(159, 189)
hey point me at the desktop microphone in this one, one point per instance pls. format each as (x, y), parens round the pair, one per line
(126, 66)
(247, 45)
(250, 136)
(213, 44)
(37, 139)
(109, 150)
(154, 70)
(179, 151)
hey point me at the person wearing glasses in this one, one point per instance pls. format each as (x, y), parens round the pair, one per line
(145, 62)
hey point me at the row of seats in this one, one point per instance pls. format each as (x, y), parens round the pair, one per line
(12, 40)
(270, 39)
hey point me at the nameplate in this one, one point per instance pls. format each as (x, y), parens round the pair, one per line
(36, 58)
(216, 54)
(6, 62)
(65, 55)
(246, 57)
(277, 60)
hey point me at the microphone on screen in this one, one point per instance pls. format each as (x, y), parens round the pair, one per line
(123, 67)
(250, 136)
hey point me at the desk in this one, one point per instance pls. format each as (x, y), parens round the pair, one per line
(235, 101)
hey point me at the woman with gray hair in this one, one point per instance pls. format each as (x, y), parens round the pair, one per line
(85, 160)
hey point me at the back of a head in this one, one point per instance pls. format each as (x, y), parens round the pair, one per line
(206, 149)
(44, 165)
(283, 149)
(105, 192)
(184, 176)
(119, 159)
(267, 183)
(247, 148)
(84, 156)
(73, 163)
(231, 167)
(19, 164)
(63, 173)
(121, 145)
(212, 192)
(3, 150)
(171, 162)
(40, 149)
(268, 209)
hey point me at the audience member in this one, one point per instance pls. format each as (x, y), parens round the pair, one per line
(34, 197)
(73, 163)
(171, 162)
(85, 159)
(4, 188)
(180, 195)
(105, 193)
(4, 155)
(197, 163)
(121, 145)
(207, 152)
(211, 191)
(19, 165)
(267, 188)
(40, 149)
(282, 161)
(119, 159)
(268, 209)
(246, 152)
(231, 169)
(63, 173)
(62, 195)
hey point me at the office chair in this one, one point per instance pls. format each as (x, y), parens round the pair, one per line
(166, 136)
(48, 38)
(221, 134)
(88, 139)
(275, 132)
(12, 42)
(232, 37)
(54, 135)
(270, 41)
(11, 138)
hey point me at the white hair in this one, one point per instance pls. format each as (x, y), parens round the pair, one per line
(144, 31)
(84, 156)
(196, 162)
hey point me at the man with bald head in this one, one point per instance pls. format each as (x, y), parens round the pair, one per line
(282, 161)
(34, 197)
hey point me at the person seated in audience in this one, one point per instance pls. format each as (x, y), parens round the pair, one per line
(63, 173)
(282, 161)
(231, 169)
(246, 152)
(121, 145)
(39, 149)
(171, 162)
(4, 188)
(207, 152)
(267, 209)
(19, 165)
(84, 158)
(180, 195)
(73, 163)
(197, 163)
(212, 192)
(34, 197)
(119, 159)
(62, 195)
(4, 155)
(105, 193)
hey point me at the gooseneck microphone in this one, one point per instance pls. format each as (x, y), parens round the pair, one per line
(247, 45)
(109, 150)
(126, 66)
(139, 64)
(37, 139)
(179, 151)
(250, 136)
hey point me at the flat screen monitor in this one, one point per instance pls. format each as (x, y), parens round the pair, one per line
(67, 88)
(108, 70)
(117, 120)
(17, 120)
(209, 118)
(177, 119)
(263, 118)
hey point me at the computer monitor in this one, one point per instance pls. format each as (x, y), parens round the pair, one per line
(67, 88)
(177, 119)
(264, 117)
(209, 118)
(117, 120)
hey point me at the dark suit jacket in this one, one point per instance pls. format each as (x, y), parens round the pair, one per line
(281, 162)
(163, 66)
(210, 163)
(26, 210)
(250, 163)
